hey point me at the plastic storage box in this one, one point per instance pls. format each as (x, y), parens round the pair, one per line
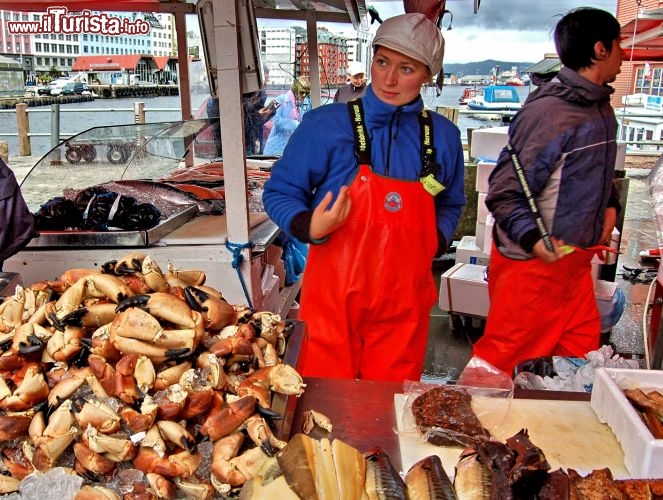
(468, 252)
(464, 290)
(643, 455)
(487, 143)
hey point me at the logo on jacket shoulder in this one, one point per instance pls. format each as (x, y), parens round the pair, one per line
(393, 202)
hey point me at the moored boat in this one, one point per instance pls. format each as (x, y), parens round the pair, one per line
(496, 98)
(468, 94)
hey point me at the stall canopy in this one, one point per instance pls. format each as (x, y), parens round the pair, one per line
(642, 37)
(342, 11)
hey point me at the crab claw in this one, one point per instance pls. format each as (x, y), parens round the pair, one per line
(176, 434)
(164, 488)
(33, 344)
(130, 263)
(223, 421)
(224, 450)
(182, 464)
(96, 492)
(8, 484)
(262, 436)
(96, 413)
(33, 389)
(215, 310)
(13, 426)
(135, 301)
(92, 461)
(153, 275)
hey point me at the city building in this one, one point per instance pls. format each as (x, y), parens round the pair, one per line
(53, 54)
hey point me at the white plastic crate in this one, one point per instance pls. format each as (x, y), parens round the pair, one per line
(467, 252)
(487, 143)
(643, 455)
(464, 290)
(484, 169)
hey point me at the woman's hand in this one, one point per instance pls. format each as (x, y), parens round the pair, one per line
(325, 221)
(546, 255)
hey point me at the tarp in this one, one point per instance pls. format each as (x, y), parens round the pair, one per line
(642, 37)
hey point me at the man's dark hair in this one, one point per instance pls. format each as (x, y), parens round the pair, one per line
(579, 30)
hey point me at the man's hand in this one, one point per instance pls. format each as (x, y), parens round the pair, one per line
(609, 221)
(325, 221)
(546, 255)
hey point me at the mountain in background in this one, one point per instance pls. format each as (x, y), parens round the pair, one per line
(484, 67)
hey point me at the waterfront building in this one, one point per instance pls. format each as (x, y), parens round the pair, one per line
(54, 54)
(285, 52)
(358, 46)
(332, 57)
(277, 49)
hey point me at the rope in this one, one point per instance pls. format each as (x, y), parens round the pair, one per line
(238, 258)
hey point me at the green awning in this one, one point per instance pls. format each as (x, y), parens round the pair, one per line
(547, 65)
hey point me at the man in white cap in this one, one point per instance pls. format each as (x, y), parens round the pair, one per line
(356, 86)
(376, 186)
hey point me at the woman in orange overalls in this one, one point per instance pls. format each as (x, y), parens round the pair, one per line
(376, 187)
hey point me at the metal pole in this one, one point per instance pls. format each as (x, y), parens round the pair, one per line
(55, 124)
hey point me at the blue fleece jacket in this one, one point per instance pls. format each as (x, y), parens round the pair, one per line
(320, 157)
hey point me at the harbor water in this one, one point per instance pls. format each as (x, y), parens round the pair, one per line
(74, 118)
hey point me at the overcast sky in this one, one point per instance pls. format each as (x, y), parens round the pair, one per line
(507, 30)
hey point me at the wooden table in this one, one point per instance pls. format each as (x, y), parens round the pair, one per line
(361, 411)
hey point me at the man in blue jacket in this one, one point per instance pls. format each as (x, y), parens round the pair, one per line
(376, 186)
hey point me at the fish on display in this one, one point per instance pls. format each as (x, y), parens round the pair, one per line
(159, 194)
(382, 480)
(427, 480)
(472, 479)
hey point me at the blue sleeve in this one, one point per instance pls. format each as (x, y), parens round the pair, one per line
(302, 167)
(450, 202)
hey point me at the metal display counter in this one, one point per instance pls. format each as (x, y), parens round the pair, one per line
(37, 263)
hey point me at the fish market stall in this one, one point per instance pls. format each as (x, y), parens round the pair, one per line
(154, 188)
(234, 249)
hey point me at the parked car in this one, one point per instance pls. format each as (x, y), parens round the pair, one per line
(44, 90)
(72, 88)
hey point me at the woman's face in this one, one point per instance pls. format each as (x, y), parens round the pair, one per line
(396, 78)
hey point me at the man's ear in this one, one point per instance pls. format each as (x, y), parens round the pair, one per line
(600, 51)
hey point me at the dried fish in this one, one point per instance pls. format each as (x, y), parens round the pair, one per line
(427, 480)
(382, 480)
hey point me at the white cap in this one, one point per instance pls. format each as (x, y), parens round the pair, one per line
(354, 68)
(415, 36)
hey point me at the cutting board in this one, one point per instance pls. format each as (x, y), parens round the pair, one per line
(207, 230)
(568, 432)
